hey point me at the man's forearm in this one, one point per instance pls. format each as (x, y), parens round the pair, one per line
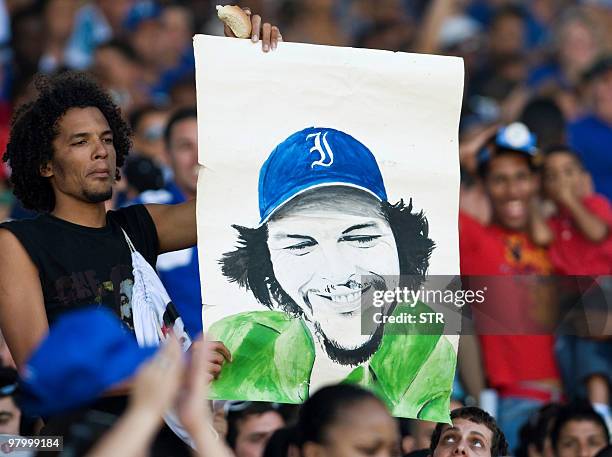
(591, 226)
(175, 224)
(207, 442)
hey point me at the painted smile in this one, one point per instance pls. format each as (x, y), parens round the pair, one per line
(344, 295)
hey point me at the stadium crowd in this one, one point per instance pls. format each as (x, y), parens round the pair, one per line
(536, 183)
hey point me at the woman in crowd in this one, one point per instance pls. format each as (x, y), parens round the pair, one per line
(345, 420)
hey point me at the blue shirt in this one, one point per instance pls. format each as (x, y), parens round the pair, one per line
(178, 270)
(591, 138)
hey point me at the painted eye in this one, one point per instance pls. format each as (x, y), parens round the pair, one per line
(363, 240)
(302, 248)
(305, 244)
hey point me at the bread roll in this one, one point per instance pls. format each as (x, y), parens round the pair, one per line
(236, 19)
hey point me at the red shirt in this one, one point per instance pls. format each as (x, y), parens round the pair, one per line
(509, 359)
(571, 253)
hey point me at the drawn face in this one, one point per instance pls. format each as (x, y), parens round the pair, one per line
(321, 244)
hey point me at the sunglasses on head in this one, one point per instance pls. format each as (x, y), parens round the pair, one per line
(233, 406)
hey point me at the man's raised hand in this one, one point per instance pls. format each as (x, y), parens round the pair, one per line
(269, 34)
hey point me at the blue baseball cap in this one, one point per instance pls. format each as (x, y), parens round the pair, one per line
(85, 353)
(514, 137)
(140, 12)
(316, 157)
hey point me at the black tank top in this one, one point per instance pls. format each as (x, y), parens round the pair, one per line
(80, 266)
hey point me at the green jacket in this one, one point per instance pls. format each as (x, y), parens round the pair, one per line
(273, 355)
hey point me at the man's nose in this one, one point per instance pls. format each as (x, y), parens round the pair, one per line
(584, 451)
(337, 268)
(514, 189)
(100, 151)
(460, 449)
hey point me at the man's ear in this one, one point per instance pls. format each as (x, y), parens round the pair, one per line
(310, 449)
(46, 170)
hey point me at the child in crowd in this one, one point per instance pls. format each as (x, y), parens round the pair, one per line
(579, 238)
(578, 234)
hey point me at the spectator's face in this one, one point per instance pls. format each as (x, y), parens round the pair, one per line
(59, 18)
(507, 36)
(577, 47)
(175, 25)
(580, 438)
(466, 439)
(510, 185)
(363, 430)
(562, 170)
(254, 432)
(10, 416)
(28, 36)
(602, 95)
(320, 247)
(113, 68)
(183, 151)
(422, 435)
(149, 136)
(84, 159)
(147, 42)
(115, 11)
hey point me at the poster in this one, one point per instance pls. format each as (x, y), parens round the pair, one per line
(325, 173)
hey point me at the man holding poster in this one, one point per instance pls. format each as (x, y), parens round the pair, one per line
(335, 218)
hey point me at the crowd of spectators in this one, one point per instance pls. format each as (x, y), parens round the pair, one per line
(536, 173)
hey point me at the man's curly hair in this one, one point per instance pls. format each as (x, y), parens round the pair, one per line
(35, 125)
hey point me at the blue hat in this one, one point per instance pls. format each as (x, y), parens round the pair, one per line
(316, 157)
(514, 137)
(140, 12)
(85, 353)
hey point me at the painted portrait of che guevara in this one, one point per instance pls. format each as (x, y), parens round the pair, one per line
(327, 235)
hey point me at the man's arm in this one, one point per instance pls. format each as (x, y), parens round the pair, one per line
(175, 224)
(539, 231)
(22, 311)
(592, 227)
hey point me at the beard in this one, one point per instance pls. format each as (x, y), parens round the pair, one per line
(350, 356)
(354, 355)
(97, 197)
